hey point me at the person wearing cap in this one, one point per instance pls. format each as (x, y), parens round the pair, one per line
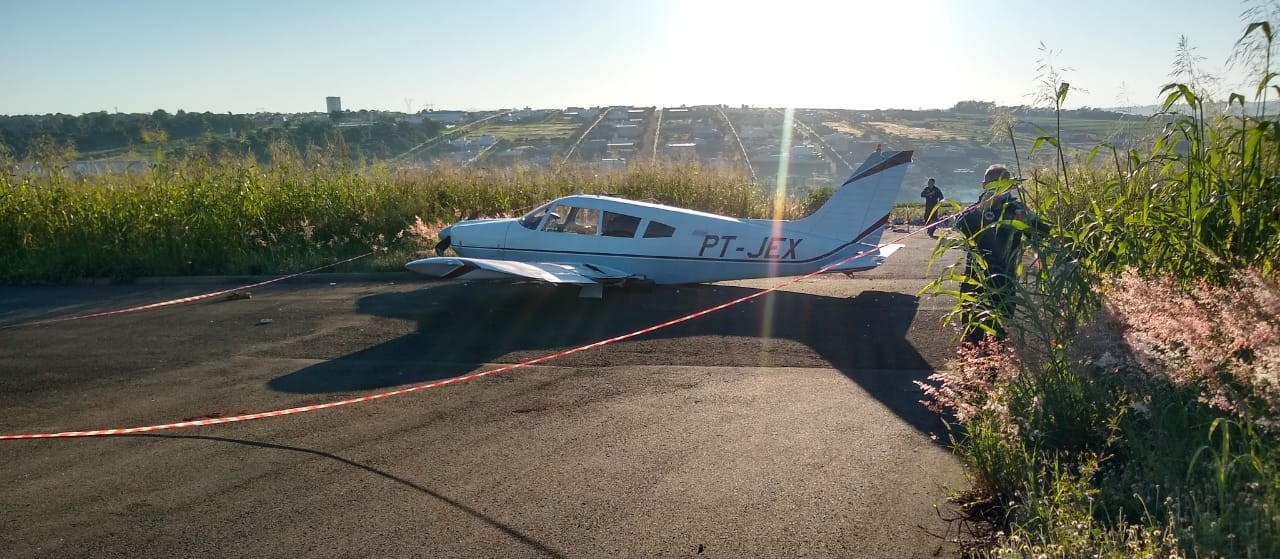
(932, 195)
(995, 254)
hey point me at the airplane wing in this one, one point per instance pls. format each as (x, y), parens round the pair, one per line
(489, 269)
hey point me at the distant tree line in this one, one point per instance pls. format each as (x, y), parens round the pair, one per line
(357, 135)
(988, 107)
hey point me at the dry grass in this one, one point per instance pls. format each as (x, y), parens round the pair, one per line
(845, 127)
(914, 132)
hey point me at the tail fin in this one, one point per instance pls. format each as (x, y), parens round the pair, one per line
(860, 208)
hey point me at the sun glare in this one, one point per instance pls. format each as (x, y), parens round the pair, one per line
(804, 53)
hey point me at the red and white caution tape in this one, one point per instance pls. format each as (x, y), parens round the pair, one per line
(439, 383)
(178, 301)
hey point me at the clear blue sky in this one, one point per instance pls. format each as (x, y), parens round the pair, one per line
(75, 56)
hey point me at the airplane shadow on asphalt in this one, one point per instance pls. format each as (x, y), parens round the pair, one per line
(463, 326)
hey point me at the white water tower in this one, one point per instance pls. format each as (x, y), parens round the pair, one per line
(334, 104)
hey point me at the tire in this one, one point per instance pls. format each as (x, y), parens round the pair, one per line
(640, 285)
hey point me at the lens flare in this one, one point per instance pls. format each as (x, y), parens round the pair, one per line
(779, 199)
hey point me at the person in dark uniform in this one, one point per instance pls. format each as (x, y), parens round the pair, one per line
(995, 253)
(932, 195)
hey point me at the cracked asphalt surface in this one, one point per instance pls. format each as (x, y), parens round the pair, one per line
(785, 426)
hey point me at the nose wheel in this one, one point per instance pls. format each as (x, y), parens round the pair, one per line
(443, 245)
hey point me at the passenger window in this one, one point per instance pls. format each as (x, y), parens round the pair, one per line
(620, 225)
(657, 229)
(569, 219)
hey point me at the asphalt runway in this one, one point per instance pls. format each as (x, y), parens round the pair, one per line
(786, 426)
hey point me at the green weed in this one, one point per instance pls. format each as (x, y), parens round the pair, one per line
(231, 215)
(1133, 412)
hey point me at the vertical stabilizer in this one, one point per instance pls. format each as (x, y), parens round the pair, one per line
(860, 208)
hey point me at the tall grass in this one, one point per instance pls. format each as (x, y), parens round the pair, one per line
(1136, 410)
(232, 215)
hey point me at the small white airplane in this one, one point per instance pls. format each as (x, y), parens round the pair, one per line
(593, 241)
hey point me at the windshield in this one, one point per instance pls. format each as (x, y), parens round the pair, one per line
(531, 219)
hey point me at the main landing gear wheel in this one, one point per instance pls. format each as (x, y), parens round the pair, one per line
(639, 285)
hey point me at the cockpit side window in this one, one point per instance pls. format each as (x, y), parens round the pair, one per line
(555, 221)
(620, 225)
(572, 219)
(657, 229)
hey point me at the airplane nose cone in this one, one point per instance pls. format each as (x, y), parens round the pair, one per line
(446, 239)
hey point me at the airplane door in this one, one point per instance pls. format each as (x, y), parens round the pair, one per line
(502, 240)
(554, 231)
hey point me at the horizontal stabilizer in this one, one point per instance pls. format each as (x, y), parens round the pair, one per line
(888, 250)
(869, 261)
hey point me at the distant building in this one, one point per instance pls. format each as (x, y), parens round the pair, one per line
(839, 141)
(704, 129)
(627, 131)
(517, 152)
(806, 152)
(447, 117)
(620, 150)
(682, 150)
(478, 142)
(527, 115)
(333, 104)
(585, 113)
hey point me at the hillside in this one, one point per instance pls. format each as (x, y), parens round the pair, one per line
(953, 145)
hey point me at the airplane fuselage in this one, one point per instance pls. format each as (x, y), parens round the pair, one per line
(591, 241)
(660, 243)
